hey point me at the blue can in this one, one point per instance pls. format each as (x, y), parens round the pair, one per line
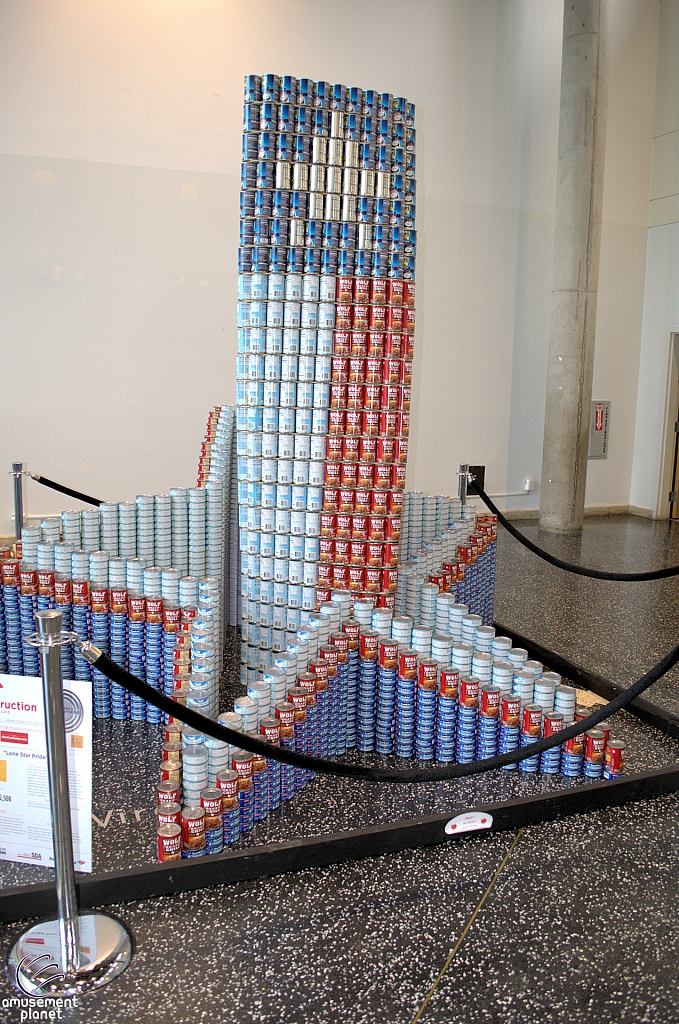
(370, 103)
(352, 127)
(266, 173)
(321, 95)
(365, 210)
(250, 147)
(330, 234)
(312, 261)
(366, 156)
(398, 134)
(303, 121)
(247, 233)
(248, 174)
(408, 214)
(271, 87)
(398, 160)
(251, 117)
(320, 123)
(381, 213)
(285, 146)
(279, 203)
(355, 98)
(313, 234)
(301, 149)
(253, 88)
(305, 92)
(266, 147)
(299, 205)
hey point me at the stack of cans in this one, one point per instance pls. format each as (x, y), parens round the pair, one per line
(425, 721)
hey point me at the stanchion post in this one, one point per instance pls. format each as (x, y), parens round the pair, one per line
(462, 477)
(108, 941)
(18, 474)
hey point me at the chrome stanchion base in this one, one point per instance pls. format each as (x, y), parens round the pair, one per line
(105, 951)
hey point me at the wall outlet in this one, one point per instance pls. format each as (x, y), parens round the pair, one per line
(528, 484)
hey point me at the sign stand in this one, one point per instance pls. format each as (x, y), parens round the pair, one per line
(73, 953)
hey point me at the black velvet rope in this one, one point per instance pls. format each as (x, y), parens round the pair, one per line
(46, 482)
(579, 570)
(356, 771)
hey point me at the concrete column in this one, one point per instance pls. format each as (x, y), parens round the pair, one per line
(577, 241)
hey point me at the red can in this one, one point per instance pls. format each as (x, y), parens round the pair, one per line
(371, 423)
(356, 578)
(374, 554)
(193, 827)
(333, 472)
(378, 290)
(395, 319)
(388, 654)
(307, 681)
(391, 371)
(403, 424)
(407, 664)
(389, 580)
(342, 552)
(595, 745)
(398, 477)
(285, 713)
(336, 422)
(404, 399)
(469, 692)
(393, 345)
(531, 720)
(388, 424)
(490, 701)
(376, 528)
(81, 597)
(334, 449)
(409, 293)
(330, 499)
(614, 757)
(349, 474)
(211, 802)
(510, 711)
(63, 594)
(346, 500)
(330, 654)
(338, 397)
(362, 501)
(373, 581)
(372, 396)
(427, 673)
(46, 585)
(98, 600)
(340, 369)
(362, 290)
(343, 526)
(378, 318)
(390, 397)
(168, 791)
(319, 667)
(170, 771)
(322, 594)
(376, 344)
(361, 320)
(354, 422)
(359, 343)
(449, 682)
(340, 642)
(345, 289)
(358, 552)
(392, 528)
(379, 504)
(368, 449)
(326, 551)
(382, 476)
(172, 616)
(373, 371)
(395, 293)
(227, 781)
(406, 371)
(369, 643)
(169, 813)
(553, 723)
(385, 449)
(328, 524)
(350, 449)
(575, 745)
(359, 527)
(241, 763)
(401, 450)
(366, 475)
(325, 575)
(169, 842)
(356, 371)
(343, 317)
(340, 577)
(355, 396)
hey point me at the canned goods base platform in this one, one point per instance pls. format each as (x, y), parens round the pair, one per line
(276, 858)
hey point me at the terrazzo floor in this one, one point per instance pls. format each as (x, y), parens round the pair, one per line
(579, 922)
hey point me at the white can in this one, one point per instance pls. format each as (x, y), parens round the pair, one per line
(312, 524)
(306, 367)
(316, 474)
(274, 314)
(300, 474)
(293, 287)
(285, 471)
(307, 342)
(326, 315)
(286, 447)
(325, 341)
(282, 520)
(291, 314)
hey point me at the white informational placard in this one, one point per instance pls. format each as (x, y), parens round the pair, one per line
(25, 819)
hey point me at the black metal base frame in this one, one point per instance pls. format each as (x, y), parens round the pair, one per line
(113, 887)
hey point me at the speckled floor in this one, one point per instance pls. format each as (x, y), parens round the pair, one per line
(579, 924)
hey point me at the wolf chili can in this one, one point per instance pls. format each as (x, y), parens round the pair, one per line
(595, 743)
(469, 692)
(407, 664)
(449, 682)
(169, 838)
(388, 654)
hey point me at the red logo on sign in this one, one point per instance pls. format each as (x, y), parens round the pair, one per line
(599, 416)
(13, 737)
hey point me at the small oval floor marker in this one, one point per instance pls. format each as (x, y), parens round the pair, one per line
(469, 821)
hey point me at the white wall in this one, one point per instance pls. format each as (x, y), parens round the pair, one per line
(120, 122)
(661, 306)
